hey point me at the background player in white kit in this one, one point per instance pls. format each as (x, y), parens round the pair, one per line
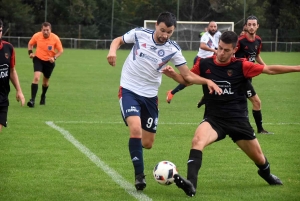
(140, 79)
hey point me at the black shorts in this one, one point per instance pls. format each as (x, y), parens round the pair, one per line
(46, 67)
(250, 92)
(236, 130)
(3, 115)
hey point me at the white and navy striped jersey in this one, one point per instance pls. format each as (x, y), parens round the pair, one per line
(211, 42)
(141, 72)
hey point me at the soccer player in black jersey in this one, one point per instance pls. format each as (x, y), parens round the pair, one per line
(249, 47)
(7, 72)
(226, 114)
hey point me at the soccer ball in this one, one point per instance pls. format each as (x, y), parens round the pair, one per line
(164, 171)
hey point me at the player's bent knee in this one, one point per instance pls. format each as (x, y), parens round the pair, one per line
(147, 143)
(198, 144)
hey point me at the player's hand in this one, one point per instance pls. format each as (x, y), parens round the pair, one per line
(20, 97)
(31, 55)
(51, 59)
(169, 71)
(111, 58)
(213, 87)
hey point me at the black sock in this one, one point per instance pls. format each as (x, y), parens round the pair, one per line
(265, 168)
(178, 88)
(44, 90)
(136, 154)
(34, 89)
(258, 119)
(194, 165)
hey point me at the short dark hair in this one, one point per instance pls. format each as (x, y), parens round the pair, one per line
(46, 24)
(251, 17)
(229, 37)
(168, 18)
(1, 23)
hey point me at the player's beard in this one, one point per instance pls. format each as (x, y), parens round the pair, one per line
(212, 32)
(251, 32)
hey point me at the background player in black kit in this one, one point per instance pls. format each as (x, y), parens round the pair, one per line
(249, 47)
(226, 114)
(7, 72)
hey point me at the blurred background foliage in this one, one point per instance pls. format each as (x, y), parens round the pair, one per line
(107, 19)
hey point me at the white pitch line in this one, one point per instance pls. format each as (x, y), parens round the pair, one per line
(129, 188)
(163, 123)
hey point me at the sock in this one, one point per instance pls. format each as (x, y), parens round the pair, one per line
(194, 165)
(258, 119)
(44, 90)
(136, 154)
(265, 168)
(34, 89)
(178, 88)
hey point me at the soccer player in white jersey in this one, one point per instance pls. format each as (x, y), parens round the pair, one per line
(140, 79)
(208, 47)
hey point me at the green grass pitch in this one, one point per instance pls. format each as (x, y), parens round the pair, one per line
(76, 146)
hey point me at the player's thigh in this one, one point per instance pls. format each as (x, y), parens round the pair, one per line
(242, 133)
(37, 64)
(134, 126)
(48, 68)
(131, 111)
(252, 149)
(204, 135)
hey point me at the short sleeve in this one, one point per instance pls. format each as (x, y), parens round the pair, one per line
(129, 37)
(13, 58)
(204, 38)
(58, 44)
(33, 39)
(251, 69)
(196, 67)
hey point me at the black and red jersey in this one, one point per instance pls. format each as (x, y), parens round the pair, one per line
(7, 61)
(232, 79)
(248, 48)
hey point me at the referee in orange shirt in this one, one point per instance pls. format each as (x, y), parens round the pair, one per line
(48, 49)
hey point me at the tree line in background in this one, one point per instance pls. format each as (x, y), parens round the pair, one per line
(92, 19)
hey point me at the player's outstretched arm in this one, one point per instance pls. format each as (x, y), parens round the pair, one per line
(114, 46)
(280, 69)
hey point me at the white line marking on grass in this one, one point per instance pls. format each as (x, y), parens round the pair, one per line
(129, 188)
(164, 123)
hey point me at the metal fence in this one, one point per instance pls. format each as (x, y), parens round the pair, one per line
(74, 43)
